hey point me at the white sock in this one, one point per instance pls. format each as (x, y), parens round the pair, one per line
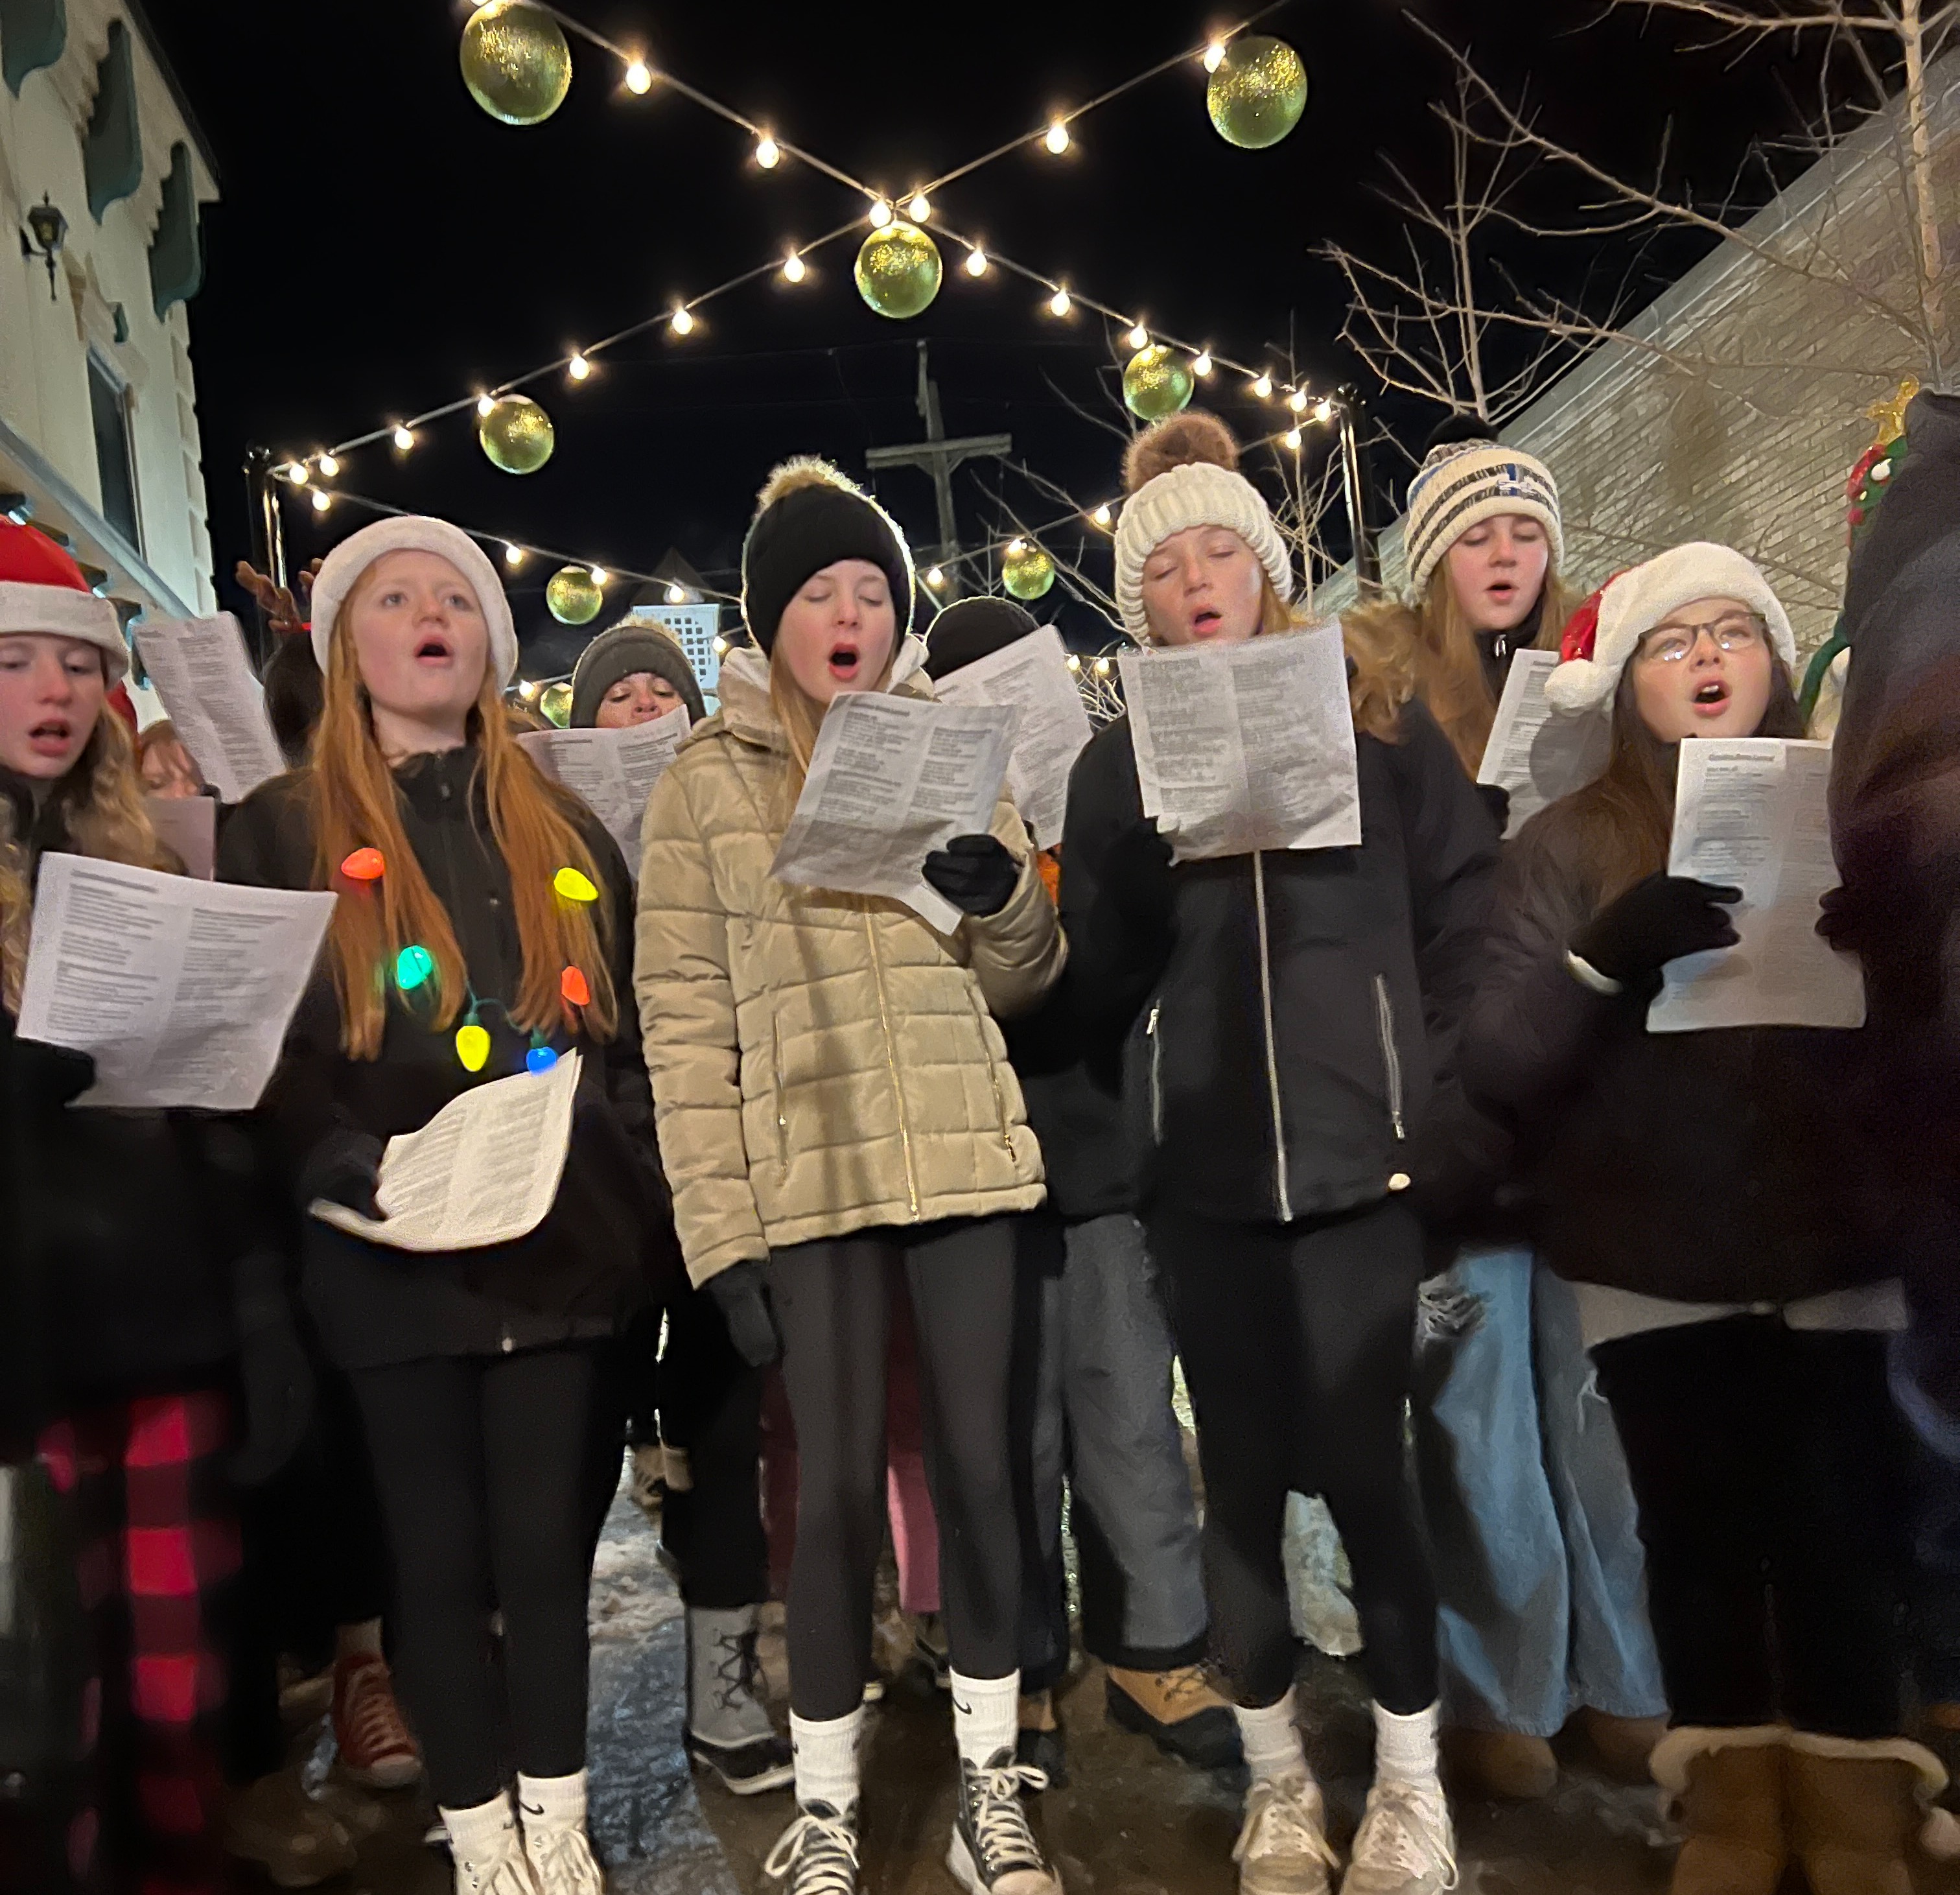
(481, 1834)
(1405, 1749)
(1272, 1741)
(985, 1716)
(349, 1640)
(559, 1801)
(826, 1760)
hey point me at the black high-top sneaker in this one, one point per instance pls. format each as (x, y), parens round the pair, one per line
(993, 1852)
(817, 1855)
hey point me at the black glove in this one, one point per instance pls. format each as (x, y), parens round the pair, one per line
(742, 1293)
(1655, 921)
(44, 1078)
(975, 873)
(1497, 800)
(343, 1168)
(1137, 873)
(274, 1369)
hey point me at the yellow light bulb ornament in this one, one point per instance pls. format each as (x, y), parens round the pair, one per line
(574, 885)
(472, 1046)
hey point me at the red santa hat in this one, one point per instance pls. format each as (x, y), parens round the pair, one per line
(42, 590)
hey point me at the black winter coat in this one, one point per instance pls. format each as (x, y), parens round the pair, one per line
(1072, 1082)
(1287, 1012)
(607, 1240)
(1699, 1167)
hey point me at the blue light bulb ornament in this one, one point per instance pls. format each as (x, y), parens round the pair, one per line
(541, 1058)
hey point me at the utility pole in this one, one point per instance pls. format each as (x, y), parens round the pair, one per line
(1354, 488)
(939, 456)
(268, 538)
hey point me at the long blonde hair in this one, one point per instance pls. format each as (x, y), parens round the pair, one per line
(355, 804)
(1431, 652)
(99, 803)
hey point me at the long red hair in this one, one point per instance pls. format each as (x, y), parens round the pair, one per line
(356, 804)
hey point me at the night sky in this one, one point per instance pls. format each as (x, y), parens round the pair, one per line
(382, 245)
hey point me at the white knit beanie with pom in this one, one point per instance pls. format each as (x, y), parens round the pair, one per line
(1198, 494)
(340, 571)
(1640, 599)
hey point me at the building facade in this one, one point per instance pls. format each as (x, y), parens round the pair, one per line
(103, 171)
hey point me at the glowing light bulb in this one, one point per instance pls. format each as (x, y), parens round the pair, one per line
(328, 466)
(1263, 388)
(720, 647)
(881, 215)
(1057, 139)
(513, 555)
(600, 575)
(976, 262)
(574, 885)
(413, 966)
(1102, 668)
(1292, 438)
(1139, 336)
(935, 577)
(363, 865)
(578, 368)
(1058, 303)
(1201, 363)
(1017, 546)
(540, 1059)
(1324, 410)
(794, 269)
(529, 689)
(676, 594)
(483, 404)
(768, 153)
(639, 77)
(322, 500)
(918, 208)
(1214, 56)
(574, 985)
(1101, 515)
(681, 323)
(297, 473)
(1074, 661)
(1297, 401)
(472, 1046)
(404, 440)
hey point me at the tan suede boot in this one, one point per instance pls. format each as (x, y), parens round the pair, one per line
(1505, 1764)
(1858, 1810)
(1729, 1792)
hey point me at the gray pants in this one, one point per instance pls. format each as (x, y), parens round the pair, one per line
(1092, 1399)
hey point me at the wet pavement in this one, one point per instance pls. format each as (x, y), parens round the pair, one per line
(1131, 1822)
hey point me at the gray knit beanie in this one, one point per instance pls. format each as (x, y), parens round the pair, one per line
(633, 645)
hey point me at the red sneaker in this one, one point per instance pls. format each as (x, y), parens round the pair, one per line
(376, 1750)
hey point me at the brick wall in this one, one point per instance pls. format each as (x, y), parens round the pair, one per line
(1734, 406)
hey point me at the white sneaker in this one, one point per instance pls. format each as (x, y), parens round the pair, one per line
(488, 1850)
(1283, 1848)
(817, 1855)
(1406, 1844)
(559, 1849)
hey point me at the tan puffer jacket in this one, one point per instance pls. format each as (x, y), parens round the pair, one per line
(822, 1062)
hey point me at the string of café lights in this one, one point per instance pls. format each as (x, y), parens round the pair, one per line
(1056, 138)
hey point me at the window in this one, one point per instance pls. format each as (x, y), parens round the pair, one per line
(108, 405)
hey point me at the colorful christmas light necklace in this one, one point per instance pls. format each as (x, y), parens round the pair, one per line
(414, 967)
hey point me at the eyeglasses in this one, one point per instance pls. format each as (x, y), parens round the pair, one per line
(1733, 631)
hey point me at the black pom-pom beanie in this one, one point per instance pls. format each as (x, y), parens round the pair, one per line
(810, 517)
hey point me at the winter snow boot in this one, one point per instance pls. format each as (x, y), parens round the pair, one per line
(1038, 1741)
(1858, 1810)
(1179, 1712)
(1730, 1789)
(1505, 1764)
(728, 1727)
(1624, 1746)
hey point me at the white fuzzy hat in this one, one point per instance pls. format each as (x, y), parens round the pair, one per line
(1461, 482)
(340, 571)
(1632, 604)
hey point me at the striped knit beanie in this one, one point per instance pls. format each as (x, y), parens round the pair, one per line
(1461, 482)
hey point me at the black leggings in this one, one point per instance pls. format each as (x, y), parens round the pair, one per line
(1297, 1341)
(1771, 1471)
(479, 1462)
(833, 1308)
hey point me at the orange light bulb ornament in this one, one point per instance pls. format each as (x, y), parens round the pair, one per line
(363, 865)
(573, 985)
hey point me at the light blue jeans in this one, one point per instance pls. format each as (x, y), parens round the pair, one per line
(1540, 1575)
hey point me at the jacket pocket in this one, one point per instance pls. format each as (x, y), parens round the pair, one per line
(993, 1070)
(1392, 1059)
(1156, 1072)
(781, 1101)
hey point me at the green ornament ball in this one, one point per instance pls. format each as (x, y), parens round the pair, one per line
(555, 704)
(898, 271)
(1156, 382)
(574, 597)
(1257, 94)
(1026, 570)
(515, 62)
(516, 435)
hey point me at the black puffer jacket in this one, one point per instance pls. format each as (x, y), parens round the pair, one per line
(607, 1240)
(1699, 1167)
(1287, 1012)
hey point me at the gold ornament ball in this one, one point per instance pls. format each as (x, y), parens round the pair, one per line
(516, 435)
(1258, 92)
(573, 597)
(555, 704)
(898, 270)
(515, 62)
(1026, 570)
(1156, 382)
